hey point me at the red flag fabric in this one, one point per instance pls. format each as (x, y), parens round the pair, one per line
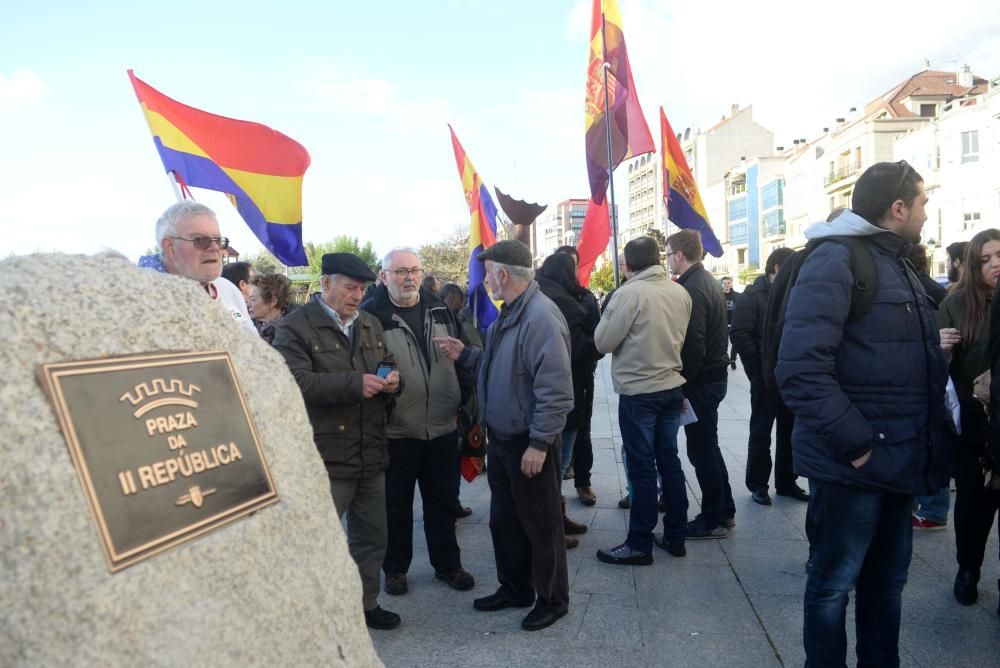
(593, 239)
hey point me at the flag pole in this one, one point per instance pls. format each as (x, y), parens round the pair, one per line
(611, 170)
(176, 187)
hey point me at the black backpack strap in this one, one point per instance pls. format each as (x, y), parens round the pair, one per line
(865, 277)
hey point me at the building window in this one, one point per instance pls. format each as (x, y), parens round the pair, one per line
(738, 209)
(928, 110)
(970, 146)
(857, 158)
(772, 195)
(738, 234)
(774, 223)
(970, 220)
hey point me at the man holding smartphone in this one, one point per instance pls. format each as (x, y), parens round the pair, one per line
(335, 352)
(422, 431)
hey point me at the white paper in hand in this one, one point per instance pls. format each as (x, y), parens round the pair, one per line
(687, 414)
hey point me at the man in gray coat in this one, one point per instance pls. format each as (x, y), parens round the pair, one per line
(525, 392)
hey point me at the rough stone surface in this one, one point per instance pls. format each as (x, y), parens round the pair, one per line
(274, 588)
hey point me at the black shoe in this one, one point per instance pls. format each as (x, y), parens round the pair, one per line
(540, 617)
(460, 579)
(461, 511)
(965, 589)
(733, 364)
(625, 502)
(761, 496)
(623, 555)
(395, 584)
(498, 601)
(570, 473)
(675, 547)
(698, 530)
(795, 492)
(661, 504)
(380, 619)
(729, 522)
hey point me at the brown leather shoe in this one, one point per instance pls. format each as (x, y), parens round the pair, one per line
(586, 496)
(571, 542)
(569, 526)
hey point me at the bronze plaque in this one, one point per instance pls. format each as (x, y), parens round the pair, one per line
(163, 445)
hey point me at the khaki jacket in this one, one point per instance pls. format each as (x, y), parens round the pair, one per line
(643, 327)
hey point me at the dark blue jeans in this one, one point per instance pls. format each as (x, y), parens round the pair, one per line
(649, 424)
(862, 540)
(703, 451)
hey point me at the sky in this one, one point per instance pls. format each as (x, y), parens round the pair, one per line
(369, 88)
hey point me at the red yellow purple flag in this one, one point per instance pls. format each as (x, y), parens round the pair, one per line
(630, 135)
(680, 191)
(260, 169)
(482, 233)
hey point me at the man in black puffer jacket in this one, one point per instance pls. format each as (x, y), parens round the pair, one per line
(868, 398)
(705, 357)
(766, 407)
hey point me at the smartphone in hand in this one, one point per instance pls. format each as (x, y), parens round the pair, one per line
(383, 370)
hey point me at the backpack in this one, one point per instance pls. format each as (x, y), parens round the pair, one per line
(862, 295)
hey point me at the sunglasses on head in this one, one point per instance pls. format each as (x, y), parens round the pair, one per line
(204, 243)
(906, 169)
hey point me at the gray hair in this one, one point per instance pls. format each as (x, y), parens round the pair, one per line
(167, 224)
(387, 260)
(515, 271)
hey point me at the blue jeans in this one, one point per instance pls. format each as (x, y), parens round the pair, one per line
(568, 441)
(649, 424)
(934, 507)
(862, 540)
(703, 451)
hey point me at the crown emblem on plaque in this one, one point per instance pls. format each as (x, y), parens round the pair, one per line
(171, 392)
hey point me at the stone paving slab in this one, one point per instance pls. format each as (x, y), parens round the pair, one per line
(732, 602)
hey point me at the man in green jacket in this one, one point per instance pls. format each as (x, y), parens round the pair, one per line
(422, 431)
(334, 351)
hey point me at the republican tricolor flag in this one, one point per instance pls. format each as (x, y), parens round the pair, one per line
(482, 234)
(630, 134)
(260, 169)
(680, 191)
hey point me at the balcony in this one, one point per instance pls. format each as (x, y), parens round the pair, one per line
(841, 174)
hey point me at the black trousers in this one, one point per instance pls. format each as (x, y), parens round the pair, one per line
(431, 464)
(526, 525)
(766, 407)
(583, 448)
(703, 451)
(975, 506)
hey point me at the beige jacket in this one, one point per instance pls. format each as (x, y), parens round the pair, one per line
(643, 326)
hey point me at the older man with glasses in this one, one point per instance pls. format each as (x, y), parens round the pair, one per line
(191, 246)
(422, 432)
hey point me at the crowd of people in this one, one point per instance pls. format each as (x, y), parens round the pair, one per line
(873, 374)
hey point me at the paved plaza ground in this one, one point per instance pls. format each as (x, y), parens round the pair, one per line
(732, 602)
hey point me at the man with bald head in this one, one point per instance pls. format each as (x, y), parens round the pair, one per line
(422, 432)
(192, 246)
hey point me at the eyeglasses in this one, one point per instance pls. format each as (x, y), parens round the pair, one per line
(204, 243)
(671, 253)
(902, 179)
(403, 272)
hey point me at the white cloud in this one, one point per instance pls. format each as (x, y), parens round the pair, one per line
(20, 90)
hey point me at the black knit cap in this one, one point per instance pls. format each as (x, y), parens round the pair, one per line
(347, 264)
(508, 251)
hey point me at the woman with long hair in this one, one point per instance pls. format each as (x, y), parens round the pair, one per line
(967, 310)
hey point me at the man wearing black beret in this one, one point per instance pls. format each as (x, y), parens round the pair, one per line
(525, 389)
(335, 352)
